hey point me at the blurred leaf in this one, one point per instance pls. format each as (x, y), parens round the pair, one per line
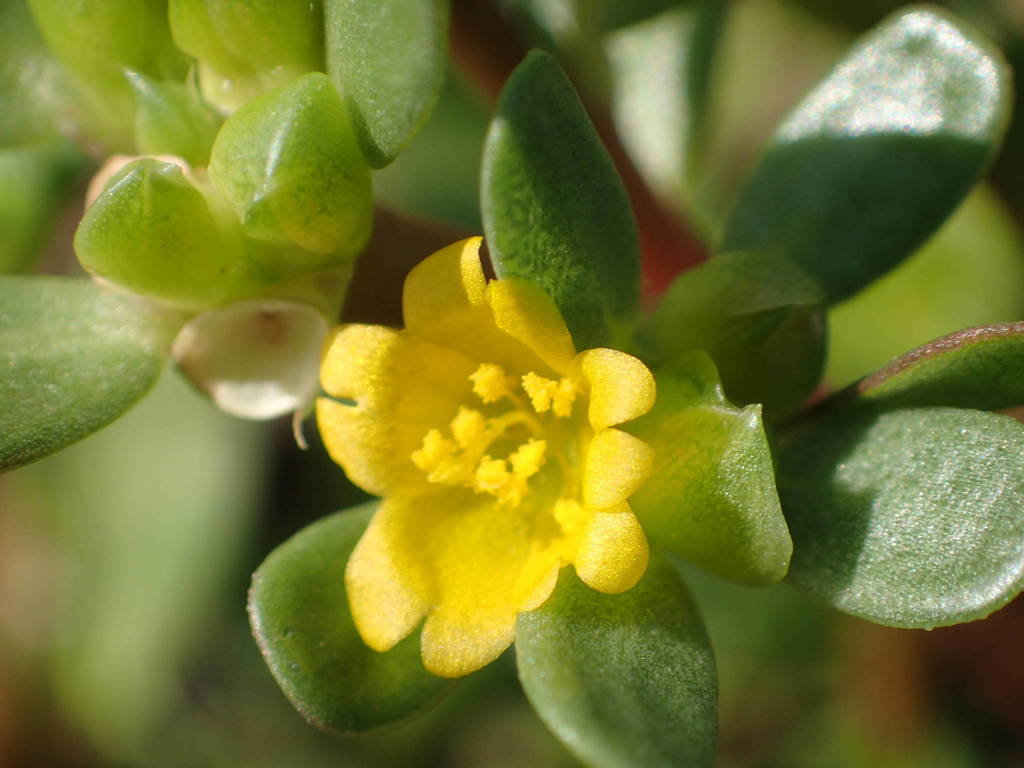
(878, 155)
(290, 167)
(759, 317)
(971, 273)
(34, 90)
(661, 70)
(245, 48)
(388, 59)
(172, 119)
(74, 358)
(711, 497)
(614, 15)
(300, 618)
(909, 518)
(152, 515)
(974, 368)
(624, 680)
(35, 181)
(97, 40)
(555, 211)
(153, 232)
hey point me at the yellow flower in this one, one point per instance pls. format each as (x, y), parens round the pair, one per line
(493, 446)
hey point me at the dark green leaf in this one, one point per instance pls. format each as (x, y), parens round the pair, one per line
(910, 518)
(388, 59)
(300, 618)
(974, 368)
(73, 358)
(555, 211)
(624, 680)
(711, 497)
(759, 317)
(877, 156)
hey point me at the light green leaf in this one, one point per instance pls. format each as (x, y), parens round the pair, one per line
(300, 618)
(35, 181)
(711, 497)
(153, 231)
(73, 358)
(876, 157)
(909, 518)
(759, 317)
(624, 680)
(388, 59)
(172, 119)
(245, 48)
(555, 211)
(289, 165)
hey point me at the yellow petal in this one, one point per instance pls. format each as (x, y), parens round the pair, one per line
(621, 387)
(613, 552)
(616, 465)
(447, 301)
(388, 589)
(402, 388)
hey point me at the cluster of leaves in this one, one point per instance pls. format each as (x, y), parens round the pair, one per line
(894, 500)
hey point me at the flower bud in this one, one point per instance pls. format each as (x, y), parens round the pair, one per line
(290, 167)
(245, 48)
(152, 231)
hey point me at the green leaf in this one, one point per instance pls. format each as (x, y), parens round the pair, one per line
(388, 59)
(290, 167)
(97, 40)
(909, 518)
(35, 181)
(245, 48)
(971, 273)
(759, 317)
(711, 497)
(153, 232)
(74, 358)
(300, 618)
(661, 70)
(973, 368)
(555, 211)
(172, 119)
(879, 154)
(624, 680)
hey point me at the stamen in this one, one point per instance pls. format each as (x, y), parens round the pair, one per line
(491, 383)
(569, 514)
(469, 428)
(548, 394)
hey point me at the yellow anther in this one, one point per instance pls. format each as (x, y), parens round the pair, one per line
(492, 476)
(569, 514)
(547, 394)
(469, 428)
(436, 456)
(491, 383)
(528, 458)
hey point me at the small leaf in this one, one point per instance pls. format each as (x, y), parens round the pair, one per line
(909, 518)
(759, 317)
(555, 211)
(153, 232)
(624, 680)
(172, 119)
(388, 59)
(974, 368)
(879, 154)
(711, 497)
(289, 165)
(300, 618)
(246, 48)
(74, 358)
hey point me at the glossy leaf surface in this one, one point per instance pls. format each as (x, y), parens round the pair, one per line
(301, 620)
(555, 211)
(879, 154)
(624, 680)
(73, 358)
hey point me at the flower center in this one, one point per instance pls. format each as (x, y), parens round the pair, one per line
(499, 453)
